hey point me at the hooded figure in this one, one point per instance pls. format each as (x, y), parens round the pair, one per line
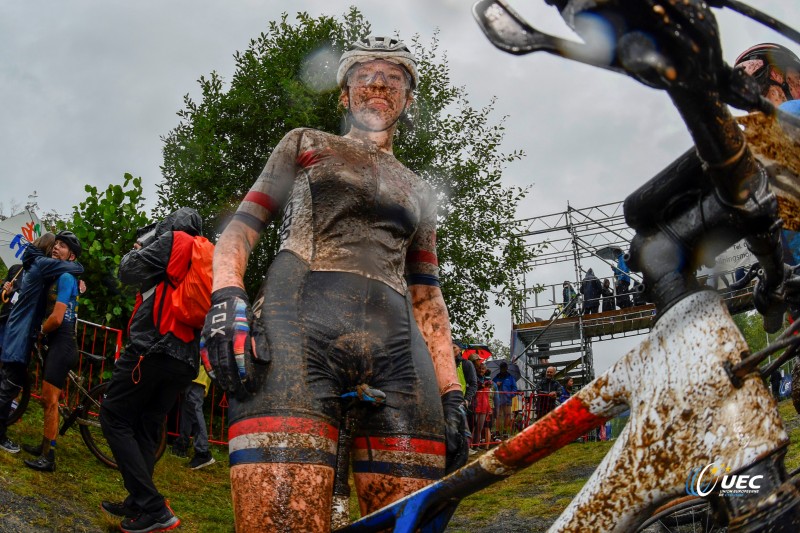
(591, 289)
(145, 268)
(148, 375)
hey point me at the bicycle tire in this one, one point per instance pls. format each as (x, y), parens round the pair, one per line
(692, 515)
(20, 404)
(92, 433)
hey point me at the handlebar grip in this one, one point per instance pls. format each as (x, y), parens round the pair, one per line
(773, 321)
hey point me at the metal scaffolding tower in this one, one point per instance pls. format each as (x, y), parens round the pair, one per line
(573, 241)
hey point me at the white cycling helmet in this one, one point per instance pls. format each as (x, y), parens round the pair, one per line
(372, 48)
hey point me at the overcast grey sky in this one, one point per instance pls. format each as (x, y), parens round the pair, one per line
(88, 88)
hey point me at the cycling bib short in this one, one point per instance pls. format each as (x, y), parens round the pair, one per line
(327, 333)
(62, 354)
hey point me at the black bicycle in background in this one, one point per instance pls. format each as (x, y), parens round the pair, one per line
(81, 406)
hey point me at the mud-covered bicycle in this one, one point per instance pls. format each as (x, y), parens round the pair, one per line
(696, 396)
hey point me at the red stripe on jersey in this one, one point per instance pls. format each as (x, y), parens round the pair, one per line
(310, 158)
(282, 424)
(422, 256)
(264, 200)
(400, 444)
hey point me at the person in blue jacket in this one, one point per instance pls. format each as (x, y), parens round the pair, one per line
(506, 387)
(24, 322)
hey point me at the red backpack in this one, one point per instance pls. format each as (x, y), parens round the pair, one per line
(184, 298)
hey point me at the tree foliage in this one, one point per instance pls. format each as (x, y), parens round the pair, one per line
(286, 79)
(106, 224)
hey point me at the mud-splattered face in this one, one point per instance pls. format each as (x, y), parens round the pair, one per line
(376, 94)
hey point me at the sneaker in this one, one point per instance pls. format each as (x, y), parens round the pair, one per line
(146, 522)
(9, 445)
(120, 509)
(200, 460)
(36, 451)
(42, 464)
(473, 451)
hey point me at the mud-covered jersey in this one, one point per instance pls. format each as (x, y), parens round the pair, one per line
(347, 207)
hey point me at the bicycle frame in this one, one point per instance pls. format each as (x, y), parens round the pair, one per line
(676, 374)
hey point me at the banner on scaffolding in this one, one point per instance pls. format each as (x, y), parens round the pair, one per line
(16, 233)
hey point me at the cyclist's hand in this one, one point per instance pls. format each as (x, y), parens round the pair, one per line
(226, 346)
(456, 431)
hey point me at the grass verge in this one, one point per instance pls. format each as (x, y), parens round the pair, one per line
(69, 499)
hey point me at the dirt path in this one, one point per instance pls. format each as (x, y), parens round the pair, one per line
(26, 514)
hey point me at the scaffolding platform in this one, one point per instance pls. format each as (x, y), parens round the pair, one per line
(565, 333)
(598, 234)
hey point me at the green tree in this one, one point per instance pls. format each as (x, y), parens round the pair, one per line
(499, 349)
(106, 224)
(286, 79)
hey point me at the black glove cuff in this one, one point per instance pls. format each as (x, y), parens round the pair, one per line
(225, 293)
(454, 398)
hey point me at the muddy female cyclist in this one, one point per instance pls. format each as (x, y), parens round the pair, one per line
(351, 299)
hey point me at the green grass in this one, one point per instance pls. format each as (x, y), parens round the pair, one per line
(69, 499)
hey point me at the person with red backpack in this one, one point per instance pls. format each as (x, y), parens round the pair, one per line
(161, 359)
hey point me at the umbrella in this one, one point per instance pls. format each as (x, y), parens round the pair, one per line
(609, 253)
(494, 366)
(482, 350)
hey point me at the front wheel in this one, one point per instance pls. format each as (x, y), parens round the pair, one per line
(92, 433)
(685, 515)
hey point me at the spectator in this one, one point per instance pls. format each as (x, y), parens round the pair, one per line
(482, 409)
(506, 388)
(623, 279)
(591, 289)
(568, 384)
(9, 292)
(147, 378)
(193, 423)
(23, 322)
(58, 331)
(549, 390)
(568, 295)
(608, 296)
(466, 376)
(493, 404)
(469, 385)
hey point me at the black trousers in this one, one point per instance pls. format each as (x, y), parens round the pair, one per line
(12, 377)
(132, 416)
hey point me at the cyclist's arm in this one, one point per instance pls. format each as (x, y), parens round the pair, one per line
(430, 311)
(53, 322)
(67, 286)
(261, 205)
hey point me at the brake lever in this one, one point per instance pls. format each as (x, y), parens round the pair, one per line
(509, 32)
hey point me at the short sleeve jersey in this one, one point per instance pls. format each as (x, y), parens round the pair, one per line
(347, 207)
(64, 290)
